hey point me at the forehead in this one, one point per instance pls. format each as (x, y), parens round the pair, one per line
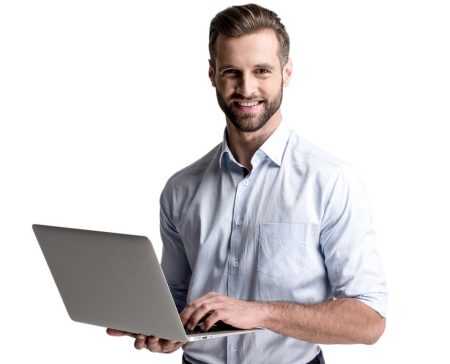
(247, 50)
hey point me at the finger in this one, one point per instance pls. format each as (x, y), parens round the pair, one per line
(114, 332)
(152, 339)
(199, 309)
(209, 305)
(169, 346)
(190, 308)
(186, 314)
(199, 316)
(195, 313)
(140, 342)
(153, 344)
(217, 315)
(171, 349)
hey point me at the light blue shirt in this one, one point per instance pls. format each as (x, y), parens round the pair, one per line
(297, 228)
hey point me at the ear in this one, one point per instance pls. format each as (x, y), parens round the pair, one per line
(212, 72)
(287, 72)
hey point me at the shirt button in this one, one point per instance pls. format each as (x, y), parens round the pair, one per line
(246, 183)
(239, 222)
(236, 263)
(234, 348)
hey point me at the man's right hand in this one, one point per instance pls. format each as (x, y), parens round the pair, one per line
(152, 343)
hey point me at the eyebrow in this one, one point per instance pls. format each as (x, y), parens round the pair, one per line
(260, 65)
(265, 65)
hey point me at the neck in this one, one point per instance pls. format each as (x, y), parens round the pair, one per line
(243, 145)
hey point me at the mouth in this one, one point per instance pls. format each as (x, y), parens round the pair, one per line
(248, 105)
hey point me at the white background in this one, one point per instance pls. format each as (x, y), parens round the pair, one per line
(101, 101)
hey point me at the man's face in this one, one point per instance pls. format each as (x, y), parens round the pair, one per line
(248, 79)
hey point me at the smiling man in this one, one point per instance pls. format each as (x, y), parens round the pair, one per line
(249, 74)
(266, 230)
(249, 91)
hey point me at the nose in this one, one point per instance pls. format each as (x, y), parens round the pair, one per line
(246, 85)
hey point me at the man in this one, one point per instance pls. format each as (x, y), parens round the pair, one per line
(266, 230)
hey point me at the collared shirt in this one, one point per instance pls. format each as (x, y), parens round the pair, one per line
(296, 228)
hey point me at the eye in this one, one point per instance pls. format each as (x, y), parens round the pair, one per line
(230, 72)
(262, 71)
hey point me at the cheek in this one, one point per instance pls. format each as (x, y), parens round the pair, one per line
(274, 87)
(225, 87)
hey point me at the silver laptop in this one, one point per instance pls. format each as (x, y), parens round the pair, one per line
(115, 280)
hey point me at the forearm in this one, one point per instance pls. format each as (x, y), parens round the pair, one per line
(343, 321)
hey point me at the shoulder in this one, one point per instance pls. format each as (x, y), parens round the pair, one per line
(191, 176)
(310, 161)
(304, 153)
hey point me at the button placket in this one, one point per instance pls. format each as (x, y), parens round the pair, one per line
(235, 251)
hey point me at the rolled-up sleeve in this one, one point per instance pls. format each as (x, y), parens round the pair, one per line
(347, 240)
(174, 262)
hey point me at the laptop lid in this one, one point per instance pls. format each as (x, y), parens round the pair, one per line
(114, 280)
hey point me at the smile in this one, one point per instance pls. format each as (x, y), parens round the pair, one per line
(247, 103)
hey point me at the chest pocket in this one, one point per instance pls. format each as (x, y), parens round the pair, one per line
(282, 249)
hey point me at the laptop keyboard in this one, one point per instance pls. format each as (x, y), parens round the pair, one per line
(218, 326)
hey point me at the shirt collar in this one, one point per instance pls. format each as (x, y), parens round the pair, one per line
(226, 155)
(273, 147)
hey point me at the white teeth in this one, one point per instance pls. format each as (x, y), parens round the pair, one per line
(248, 104)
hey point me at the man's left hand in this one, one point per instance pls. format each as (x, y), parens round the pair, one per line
(214, 307)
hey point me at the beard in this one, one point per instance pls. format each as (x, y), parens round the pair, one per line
(249, 122)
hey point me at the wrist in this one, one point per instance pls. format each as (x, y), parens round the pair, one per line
(265, 309)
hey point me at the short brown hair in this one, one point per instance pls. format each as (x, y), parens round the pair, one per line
(237, 21)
